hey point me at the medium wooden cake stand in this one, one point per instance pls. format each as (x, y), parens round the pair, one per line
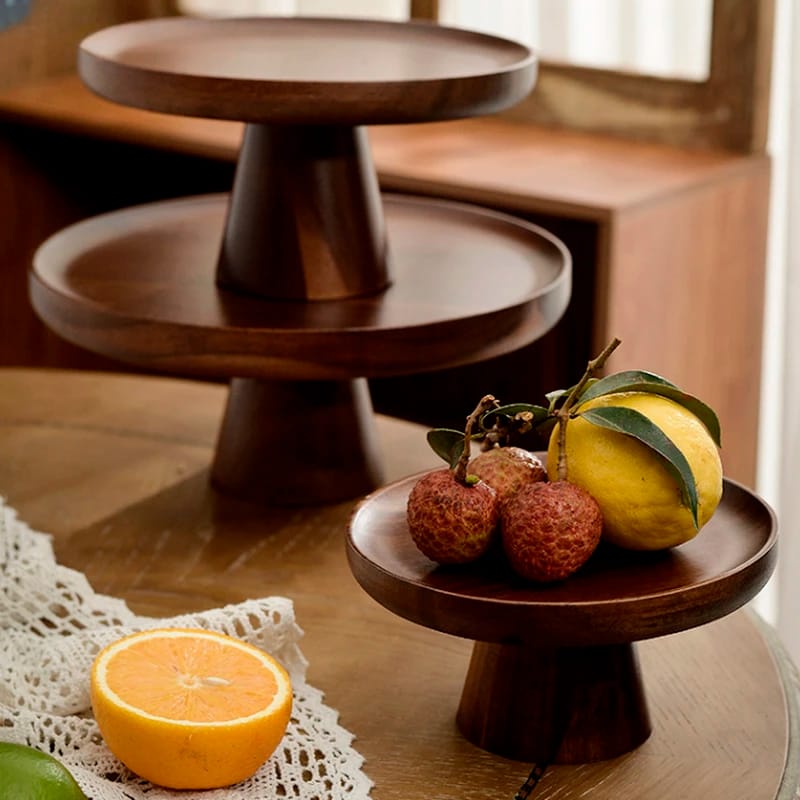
(304, 281)
(554, 675)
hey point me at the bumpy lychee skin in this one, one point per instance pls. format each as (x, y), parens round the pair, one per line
(449, 522)
(508, 469)
(550, 530)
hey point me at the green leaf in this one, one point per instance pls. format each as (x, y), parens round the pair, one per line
(622, 381)
(640, 381)
(447, 444)
(633, 423)
(538, 413)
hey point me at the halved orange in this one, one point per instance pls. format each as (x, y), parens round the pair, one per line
(190, 708)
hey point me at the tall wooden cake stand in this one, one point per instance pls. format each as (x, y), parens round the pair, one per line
(304, 281)
(554, 675)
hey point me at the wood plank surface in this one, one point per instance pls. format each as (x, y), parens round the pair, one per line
(116, 468)
(64, 104)
(537, 169)
(490, 160)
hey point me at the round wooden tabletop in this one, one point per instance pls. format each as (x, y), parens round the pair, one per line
(617, 597)
(116, 469)
(306, 70)
(138, 285)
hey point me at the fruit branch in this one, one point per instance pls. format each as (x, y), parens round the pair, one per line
(486, 403)
(563, 412)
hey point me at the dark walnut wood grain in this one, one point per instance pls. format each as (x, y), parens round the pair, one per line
(138, 285)
(297, 442)
(307, 71)
(305, 219)
(305, 282)
(554, 673)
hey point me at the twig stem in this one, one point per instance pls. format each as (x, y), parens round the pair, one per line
(487, 402)
(563, 412)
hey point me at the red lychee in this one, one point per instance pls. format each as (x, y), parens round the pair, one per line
(507, 469)
(451, 522)
(550, 530)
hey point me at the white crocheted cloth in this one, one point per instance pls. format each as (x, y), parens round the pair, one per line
(52, 624)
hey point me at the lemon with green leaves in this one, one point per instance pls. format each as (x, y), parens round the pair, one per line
(645, 450)
(615, 450)
(29, 774)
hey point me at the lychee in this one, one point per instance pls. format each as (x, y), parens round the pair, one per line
(550, 530)
(452, 522)
(507, 469)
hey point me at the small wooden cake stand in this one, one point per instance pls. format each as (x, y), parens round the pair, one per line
(554, 675)
(304, 282)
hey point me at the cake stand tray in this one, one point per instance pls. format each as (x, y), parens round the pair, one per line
(305, 194)
(554, 673)
(303, 281)
(139, 285)
(304, 70)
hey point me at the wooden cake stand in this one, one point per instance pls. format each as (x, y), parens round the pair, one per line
(554, 675)
(304, 281)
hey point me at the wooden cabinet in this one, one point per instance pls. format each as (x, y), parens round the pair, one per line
(668, 247)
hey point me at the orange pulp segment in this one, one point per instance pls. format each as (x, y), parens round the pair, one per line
(190, 709)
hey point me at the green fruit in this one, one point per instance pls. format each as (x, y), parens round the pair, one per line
(29, 774)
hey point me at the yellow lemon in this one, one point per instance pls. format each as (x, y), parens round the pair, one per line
(640, 500)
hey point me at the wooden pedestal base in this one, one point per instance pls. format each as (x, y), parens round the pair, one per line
(301, 285)
(549, 680)
(567, 705)
(305, 219)
(297, 442)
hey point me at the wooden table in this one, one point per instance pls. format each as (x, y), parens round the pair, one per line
(116, 468)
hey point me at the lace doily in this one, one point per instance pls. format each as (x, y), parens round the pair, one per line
(52, 624)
